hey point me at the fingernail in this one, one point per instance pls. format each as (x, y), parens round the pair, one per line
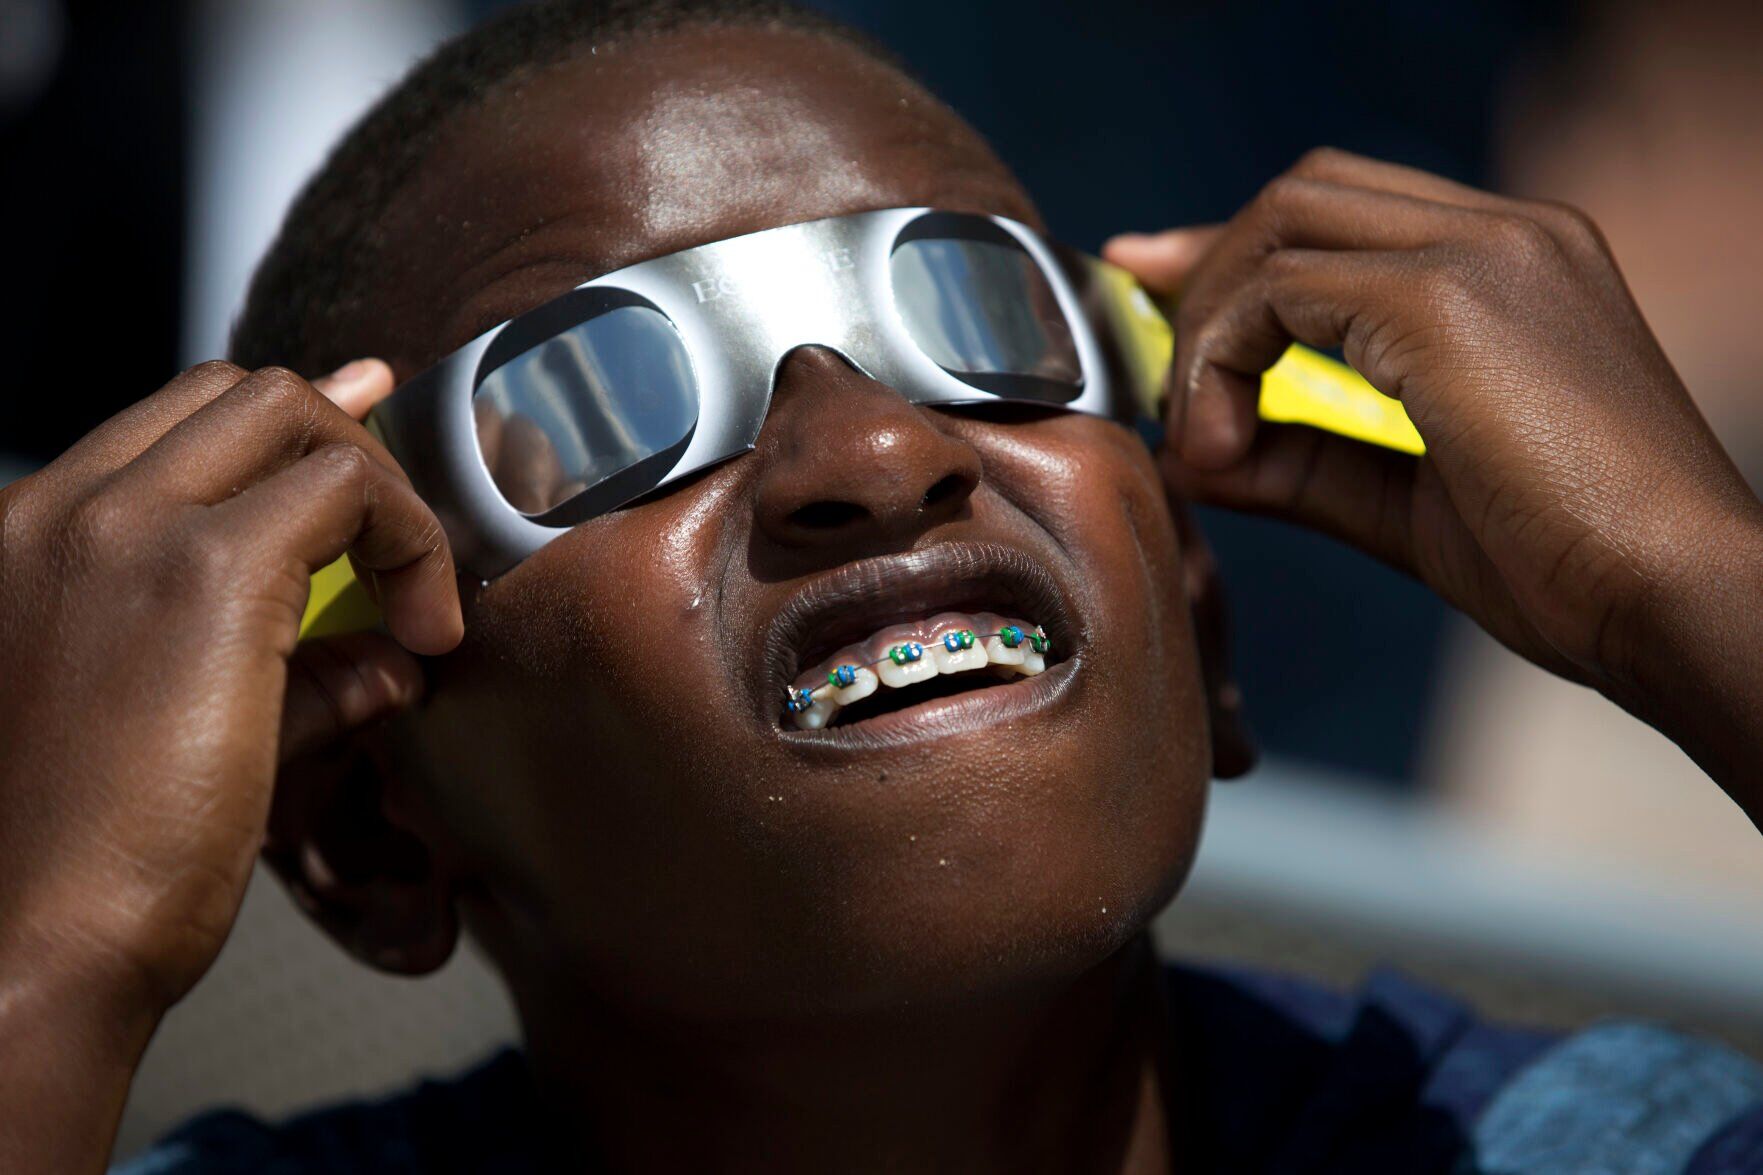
(400, 689)
(347, 377)
(316, 871)
(1127, 241)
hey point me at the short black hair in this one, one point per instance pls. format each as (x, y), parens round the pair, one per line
(317, 274)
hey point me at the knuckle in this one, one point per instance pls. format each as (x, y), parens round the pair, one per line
(1321, 161)
(345, 464)
(1285, 203)
(1449, 276)
(277, 375)
(290, 399)
(1522, 241)
(280, 388)
(1576, 228)
(105, 522)
(17, 515)
(1283, 191)
(215, 373)
(348, 458)
(1283, 265)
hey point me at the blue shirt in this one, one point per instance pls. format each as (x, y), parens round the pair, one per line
(1281, 1075)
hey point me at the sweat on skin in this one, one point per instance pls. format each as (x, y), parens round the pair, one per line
(940, 925)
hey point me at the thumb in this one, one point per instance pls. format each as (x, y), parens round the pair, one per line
(1162, 261)
(356, 387)
(340, 684)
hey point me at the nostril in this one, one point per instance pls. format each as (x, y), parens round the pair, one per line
(826, 515)
(950, 488)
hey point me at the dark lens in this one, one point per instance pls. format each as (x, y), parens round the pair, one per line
(983, 311)
(603, 396)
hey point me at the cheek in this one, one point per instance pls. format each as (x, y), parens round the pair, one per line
(563, 744)
(616, 603)
(1148, 691)
(1095, 489)
(1093, 486)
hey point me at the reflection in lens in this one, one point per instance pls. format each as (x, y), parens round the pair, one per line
(981, 308)
(563, 416)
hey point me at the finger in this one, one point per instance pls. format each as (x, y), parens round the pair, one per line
(340, 684)
(529, 472)
(1162, 261)
(261, 424)
(1294, 212)
(1333, 165)
(1321, 298)
(357, 386)
(1303, 212)
(1212, 404)
(1570, 227)
(1358, 493)
(131, 432)
(337, 499)
(1390, 505)
(1335, 200)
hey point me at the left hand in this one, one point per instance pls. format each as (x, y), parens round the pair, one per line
(1572, 500)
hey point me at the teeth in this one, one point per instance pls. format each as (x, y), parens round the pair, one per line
(998, 653)
(864, 682)
(817, 715)
(1033, 648)
(905, 665)
(967, 654)
(1015, 651)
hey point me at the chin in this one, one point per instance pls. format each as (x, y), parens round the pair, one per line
(1010, 873)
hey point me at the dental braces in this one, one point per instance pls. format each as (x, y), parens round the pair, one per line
(798, 700)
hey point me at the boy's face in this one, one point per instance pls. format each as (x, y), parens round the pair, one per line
(603, 770)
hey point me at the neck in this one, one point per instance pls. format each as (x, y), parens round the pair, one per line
(1070, 1081)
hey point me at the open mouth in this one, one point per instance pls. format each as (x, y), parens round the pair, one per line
(888, 635)
(904, 665)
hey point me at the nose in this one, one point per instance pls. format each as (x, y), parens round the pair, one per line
(848, 462)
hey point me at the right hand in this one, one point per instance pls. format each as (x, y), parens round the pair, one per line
(1572, 500)
(152, 582)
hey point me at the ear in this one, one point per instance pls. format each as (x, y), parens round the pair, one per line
(346, 857)
(1233, 747)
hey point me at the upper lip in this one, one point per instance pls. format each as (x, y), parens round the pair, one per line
(853, 601)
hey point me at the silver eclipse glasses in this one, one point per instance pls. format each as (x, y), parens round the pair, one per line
(653, 372)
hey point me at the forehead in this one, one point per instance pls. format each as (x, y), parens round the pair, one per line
(638, 150)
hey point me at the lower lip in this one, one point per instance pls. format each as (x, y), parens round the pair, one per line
(977, 710)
